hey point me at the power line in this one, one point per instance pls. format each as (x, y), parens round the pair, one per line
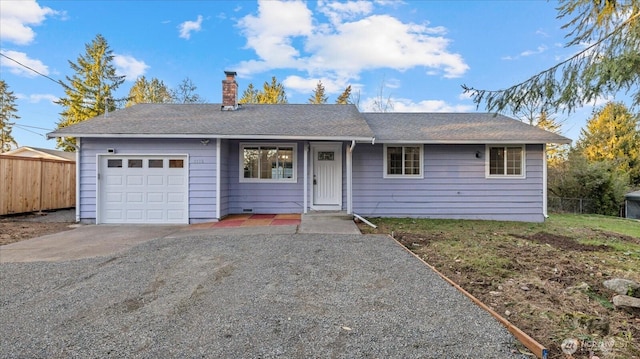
(36, 71)
(19, 124)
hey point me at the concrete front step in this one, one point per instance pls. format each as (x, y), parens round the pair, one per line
(328, 222)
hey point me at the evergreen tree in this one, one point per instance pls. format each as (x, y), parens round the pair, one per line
(610, 64)
(272, 93)
(345, 96)
(186, 93)
(7, 115)
(556, 153)
(319, 96)
(89, 91)
(250, 95)
(613, 135)
(154, 91)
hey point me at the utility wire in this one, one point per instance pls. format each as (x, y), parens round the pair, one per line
(19, 124)
(59, 82)
(36, 71)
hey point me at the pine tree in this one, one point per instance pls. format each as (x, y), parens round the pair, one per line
(272, 93)
(610, 64)
(7, 115)
(556, 153)
(89, 91)
(612, 134)
(345, 96)
(154, 91)
(250, 95)
(318, 96)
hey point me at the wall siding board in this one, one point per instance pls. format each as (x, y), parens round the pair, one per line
(202, 167)
(454, 186)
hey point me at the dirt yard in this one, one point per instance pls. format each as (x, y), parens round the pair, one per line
(15, 228)
(547, 279)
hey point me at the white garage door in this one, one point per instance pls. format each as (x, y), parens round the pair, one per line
(143, 189)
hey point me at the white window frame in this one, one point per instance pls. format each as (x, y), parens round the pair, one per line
(242, 146)
(523, 164)
(404, 176)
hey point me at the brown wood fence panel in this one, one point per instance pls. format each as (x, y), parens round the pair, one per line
(36, 184)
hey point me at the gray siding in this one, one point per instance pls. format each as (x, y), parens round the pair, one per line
(202, 171)
(454, 186)
(275, 198)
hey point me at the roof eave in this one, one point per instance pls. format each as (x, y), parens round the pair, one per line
(475, 142)
(209, 135)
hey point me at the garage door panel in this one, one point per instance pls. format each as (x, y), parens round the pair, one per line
(134, 214)
(155, 197)
(151, 191)
(175, 215)
(175, 197)
(135, 180)
(154, 180)
(114, 214)
(114, 180)
(155, 215)
(135, 197)
(175, 180)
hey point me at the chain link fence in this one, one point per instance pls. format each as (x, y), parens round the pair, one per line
(575, 205)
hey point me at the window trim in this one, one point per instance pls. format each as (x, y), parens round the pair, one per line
(523, 164)
(242, 146)
(385, 174)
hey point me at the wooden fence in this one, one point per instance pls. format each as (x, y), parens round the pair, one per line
(36, 184)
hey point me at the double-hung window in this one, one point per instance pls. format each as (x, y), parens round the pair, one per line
(403, 161)
(267, 162)
(505, 161)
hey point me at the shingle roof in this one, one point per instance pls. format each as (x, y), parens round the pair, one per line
(455, 128)
(307, 121)
(184, 120)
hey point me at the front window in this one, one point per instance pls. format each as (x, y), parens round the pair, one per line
(267, 162)
(403, 161)
(506, 161)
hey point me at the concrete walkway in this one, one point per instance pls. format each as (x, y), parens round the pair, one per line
(89, 241)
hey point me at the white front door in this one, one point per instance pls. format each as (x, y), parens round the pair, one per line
(143, 189)
(327, 176)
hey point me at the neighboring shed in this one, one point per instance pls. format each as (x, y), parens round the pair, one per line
(35, 152)
(632, 204)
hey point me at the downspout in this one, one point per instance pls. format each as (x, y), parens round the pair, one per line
(350, 177)
(77, 148)
(218, 178)
(305, 175)
(544, 179)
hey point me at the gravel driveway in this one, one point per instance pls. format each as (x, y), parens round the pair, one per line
(250, 296)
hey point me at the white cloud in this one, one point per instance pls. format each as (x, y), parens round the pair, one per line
(407, 105)
(36, 98)
(540, 49)
(17, 19)
(23, 59)
(129, 66)
(270, 33)
(307, 85)
(285, 35)
(187, 27)
(339, 11)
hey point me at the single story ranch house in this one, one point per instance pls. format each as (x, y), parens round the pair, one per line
(192, 163)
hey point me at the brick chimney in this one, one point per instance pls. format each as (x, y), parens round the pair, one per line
(229, 92)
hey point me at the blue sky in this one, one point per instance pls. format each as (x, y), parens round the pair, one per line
(416, 53)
